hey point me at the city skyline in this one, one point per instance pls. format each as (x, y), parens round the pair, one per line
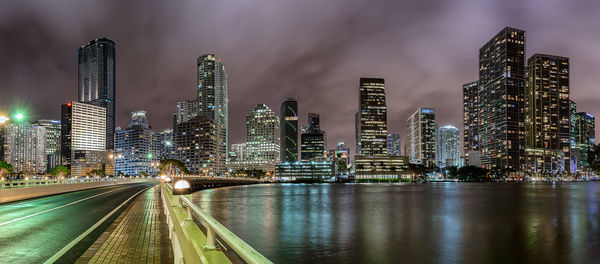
(437, 84)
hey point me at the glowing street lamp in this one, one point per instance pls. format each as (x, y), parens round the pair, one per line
(3, 119)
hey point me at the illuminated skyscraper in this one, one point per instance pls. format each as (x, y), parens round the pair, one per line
(448, 147)
(52, 142)
(471, 120)
(502, 100)
(289, 130)
(167, 144)
(421, 137)
(393, 145)
(25, 147)
(198, 146)
(262, 136)
(372, 118)
(138, 148)
(213, 96)
(96, 68)
(548, 113)
(584, 135)
(312, 139)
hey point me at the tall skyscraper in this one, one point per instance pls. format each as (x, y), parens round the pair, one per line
(394, 147)
(548, 123)
(167, 144)
(213, 96)
(312, 139)
(262, 136)
(471, 120)
(448, 147)
(137, 149)
(289, 130)
(502, 100)
(421, 137)
(185, 111)
(372, 118)
(52, 142)
(198, 146)
(25, 147)
(584, 135)
(96, 68)
(83, 137)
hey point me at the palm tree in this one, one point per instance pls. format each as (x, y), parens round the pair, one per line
(171, 166)
(60, 171)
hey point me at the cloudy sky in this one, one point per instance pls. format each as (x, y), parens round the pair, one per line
(313, 50)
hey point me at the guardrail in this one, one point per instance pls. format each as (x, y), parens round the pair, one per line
(191, 245)
(33, 183)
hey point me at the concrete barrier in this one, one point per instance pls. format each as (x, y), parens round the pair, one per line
(12, 195)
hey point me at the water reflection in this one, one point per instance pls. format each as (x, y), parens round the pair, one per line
(413, 223)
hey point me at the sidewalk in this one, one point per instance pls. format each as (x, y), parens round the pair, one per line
(139, 235)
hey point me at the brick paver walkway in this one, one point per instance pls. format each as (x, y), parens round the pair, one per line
(139, 235)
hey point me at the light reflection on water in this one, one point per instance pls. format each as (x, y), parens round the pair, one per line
(413, 223)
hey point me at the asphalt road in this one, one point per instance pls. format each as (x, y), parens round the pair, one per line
(33, 231)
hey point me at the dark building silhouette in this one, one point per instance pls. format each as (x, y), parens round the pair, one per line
(312, 139)
(289, 130)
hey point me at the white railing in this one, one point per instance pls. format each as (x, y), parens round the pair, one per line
(180, 206)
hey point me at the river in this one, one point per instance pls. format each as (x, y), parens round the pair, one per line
(413, 223)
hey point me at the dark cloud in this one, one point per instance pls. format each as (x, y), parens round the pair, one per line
(313, 50)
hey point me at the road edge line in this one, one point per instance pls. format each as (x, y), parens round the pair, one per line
(78, 239)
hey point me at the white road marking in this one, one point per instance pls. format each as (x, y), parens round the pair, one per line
(56, 208)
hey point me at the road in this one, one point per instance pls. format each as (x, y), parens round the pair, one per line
(33, 231)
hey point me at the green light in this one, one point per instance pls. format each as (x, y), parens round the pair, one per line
(19, 116)
(149, 155)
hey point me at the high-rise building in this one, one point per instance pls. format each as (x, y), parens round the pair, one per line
(502, 100)
(52, 142)
(138, 148)
(83, 137)
(25, 147)
(448, 147)
(198, 146)
(421, 137)
(584, 137)
(262, 136)
(238, 152)
(168, 149)
(312, 139)
(289, 130)
(185, 111)
(471, 119)
(96, 68)
(372, 118)
(343, 150)
(547, 118)
(213, 96)
(393, 145)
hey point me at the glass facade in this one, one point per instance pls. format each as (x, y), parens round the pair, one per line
(448, 147)
(289, 130)
(372, 118)
(137, 149)
(421, 137)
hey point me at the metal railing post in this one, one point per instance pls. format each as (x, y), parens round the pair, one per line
(210, 238)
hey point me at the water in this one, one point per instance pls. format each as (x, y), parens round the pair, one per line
(414, 223)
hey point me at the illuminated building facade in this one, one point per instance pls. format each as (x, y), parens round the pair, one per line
(471, 121)
(25, 147)
(312, 139)
(372, 118)
(305, 170)
(262, 138)
(381, 168)
(83, 137)
(137, 149)
(421, 137)
(96, 80)
(394, 147)
(213, 96)
(168, 150)
(198, 146)
(548, 125)
(52, 142)
(289, 130)
(448, 147)
(584, 137)
(502, 100)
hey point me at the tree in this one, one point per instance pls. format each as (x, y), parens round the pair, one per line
(143, 173)
(5, 168)
(172, 166)
(97, 173)
(472, 173)
(342, 166)
(60, 171)
(593, 158)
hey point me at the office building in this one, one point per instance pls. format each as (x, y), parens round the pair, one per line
(502, 100)
(372, 118)
(421, 137)
(471, 120)
(312, 139)
(96, 80)
(52, 142)
(289, 130)
(185, 111)
(262, 139)
(138, 148)
(237, 152)
(386, 168)
(168, 150)
(213, 96)
(448, 147)
(393, 144)
(25, 147)
(198, 146)
(584, 138)
(83, 137)
(309, 171)
(547, 119)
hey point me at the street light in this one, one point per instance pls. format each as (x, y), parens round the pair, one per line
(3, 119)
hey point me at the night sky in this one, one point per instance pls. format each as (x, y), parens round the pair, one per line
(313, 50)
